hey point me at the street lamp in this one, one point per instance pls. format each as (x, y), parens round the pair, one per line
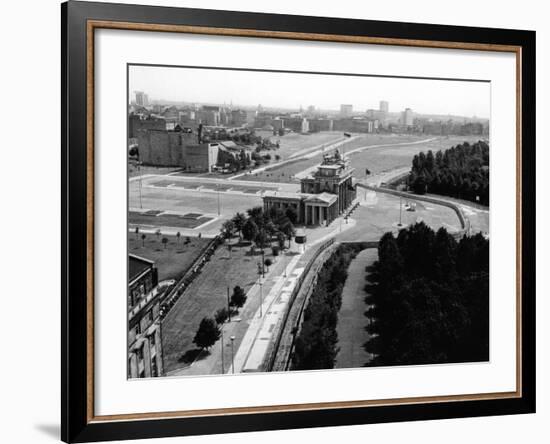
(228, 305)
(140, 183)
(223, 365)
(218, 193)
(400, 209)
(263, 258)
(232, 355)
(261, 295)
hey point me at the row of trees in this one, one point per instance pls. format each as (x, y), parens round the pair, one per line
(261, 227)
(240, 161)
(316, 343)
(461, 171)
(429, 298)
(209, 330)
(164, 239)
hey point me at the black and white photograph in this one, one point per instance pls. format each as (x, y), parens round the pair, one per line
(295, 221)
(275, 222)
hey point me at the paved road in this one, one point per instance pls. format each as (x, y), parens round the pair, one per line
(351, 318)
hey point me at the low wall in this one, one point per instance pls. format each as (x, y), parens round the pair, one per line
(192, 272)
(277, 353)
(281, 354)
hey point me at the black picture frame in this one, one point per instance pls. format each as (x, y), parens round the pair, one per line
(76, 423)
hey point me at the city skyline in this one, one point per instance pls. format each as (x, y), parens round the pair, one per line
(324, 92)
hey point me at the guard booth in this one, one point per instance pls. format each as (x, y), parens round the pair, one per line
(300, 238)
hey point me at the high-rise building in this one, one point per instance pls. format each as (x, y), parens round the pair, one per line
(140, 98)
(346, 110)
(407, 117)
(384, 106)
(305, 126)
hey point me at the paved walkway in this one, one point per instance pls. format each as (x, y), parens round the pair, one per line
(389, 145)
(351, 318)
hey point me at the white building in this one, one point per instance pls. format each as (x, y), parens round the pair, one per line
(305, 126)
(407, 117)
(346, 110)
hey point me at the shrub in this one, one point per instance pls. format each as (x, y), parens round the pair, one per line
(238, 298)
(221, 315)
(207, 334)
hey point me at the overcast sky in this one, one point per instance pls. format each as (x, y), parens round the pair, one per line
(289, 90)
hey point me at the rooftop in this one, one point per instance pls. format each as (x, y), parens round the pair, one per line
(327, 198)
(331, 166)
(137, 265)
(286, 194)
(229, 144)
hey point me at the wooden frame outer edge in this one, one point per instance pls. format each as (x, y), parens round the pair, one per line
(90, 106)
(105, 24)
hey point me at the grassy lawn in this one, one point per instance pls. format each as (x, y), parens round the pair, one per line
(203, 297)
(375, 159)
(133, 171)
(165, 220)
(391, 157)
(294, 142)
(351, 319)
(172, 261)
(285, 172)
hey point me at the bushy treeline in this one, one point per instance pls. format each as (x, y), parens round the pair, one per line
(461, 171)
(429, 297)
(263, 227)
(316, 343)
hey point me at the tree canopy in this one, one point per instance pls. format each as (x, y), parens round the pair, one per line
(316, 343)
(238, 298)
(263, 227)
(429, 297)
(461, 172)
(207, 334)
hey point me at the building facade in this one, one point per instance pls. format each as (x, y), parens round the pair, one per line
(141, 98)
(324, 195)
(407, 117)
(136, 123)
(144, 330)
(176, 149)
(346, 110)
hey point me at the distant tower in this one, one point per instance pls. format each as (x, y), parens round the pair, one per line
(305, 126)
(407, 117)
(384, 106)
(140, 98)
(346, 110)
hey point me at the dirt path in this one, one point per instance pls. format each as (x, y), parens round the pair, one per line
(351, 318)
